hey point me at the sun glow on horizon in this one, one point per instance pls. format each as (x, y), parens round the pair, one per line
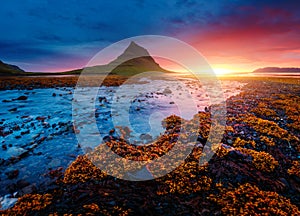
(222, 71)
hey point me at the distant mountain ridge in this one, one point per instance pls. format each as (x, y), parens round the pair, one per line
(277, 69)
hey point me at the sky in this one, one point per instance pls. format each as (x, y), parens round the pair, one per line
(233, 35)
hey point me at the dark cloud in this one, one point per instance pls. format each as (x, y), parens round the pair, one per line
(34, 30)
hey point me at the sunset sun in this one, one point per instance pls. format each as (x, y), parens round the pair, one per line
(221, 71)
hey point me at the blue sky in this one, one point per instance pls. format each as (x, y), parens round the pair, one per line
(46, 35)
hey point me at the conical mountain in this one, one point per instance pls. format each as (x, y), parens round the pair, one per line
(128, 63)
(134, 65)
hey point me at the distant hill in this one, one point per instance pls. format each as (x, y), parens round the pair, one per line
(10, 70)
(277, 70)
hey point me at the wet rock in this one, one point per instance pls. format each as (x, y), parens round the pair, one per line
(13, 109)
(4, 147)
(16, 128)
(46, 125)
(113, 203)
(41, 140)
(201, 139)
(102, 99)
(54, 95)
(236, 154)
(12, 174)
(35, 136)
(22, 183)
(141, 174)
(25, 132)
(167, 91)
(108, 138)
(285, 182)
(146, 137)
(229, 141)
(5, 131)
(55, 163)
(28, 190)
(5, 101)
(40, 118)
(23, 97)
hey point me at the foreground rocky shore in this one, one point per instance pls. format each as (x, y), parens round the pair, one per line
(256, 168)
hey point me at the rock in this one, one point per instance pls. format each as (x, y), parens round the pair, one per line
(22, 183)
(167, 91)
(41, 140)
(109, 138)
(236, 154)
(54, 95)
(102, 99)
(146, 137)
(12, 174)
(142, 174)
(172, 102)
(4, 147)
(16, 128)
(23, 97)
(229, 141)
(13, 110)
(113, 203)
(28, 190)
(5, 101)
(285, 182)
(40, 118)
(25, 132)
(55, 163)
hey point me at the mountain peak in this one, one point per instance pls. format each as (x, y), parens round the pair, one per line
(135, 50)
(135, 59)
